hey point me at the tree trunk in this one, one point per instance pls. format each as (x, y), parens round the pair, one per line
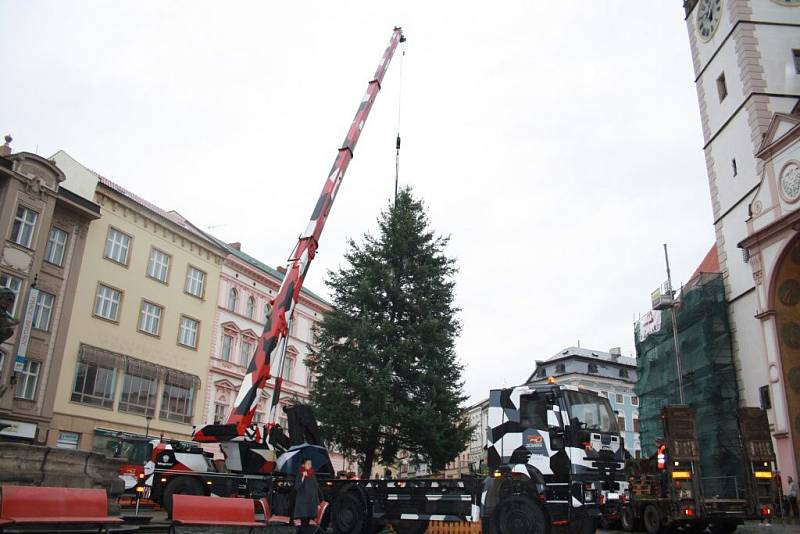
(369, 454)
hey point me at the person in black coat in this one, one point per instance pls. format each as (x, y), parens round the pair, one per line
(306, 495)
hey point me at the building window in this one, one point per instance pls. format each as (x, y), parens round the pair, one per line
(220, 411)
(227, 345)
(309, 379)
(245, 352)
(138, 394)
(94, 385)
(796, 57)
(67, 440)
(177, 403)
(26, 381)
(195, 282)
(15, 285)
(24, 225)
(117, 246)
(722, 87)
(267, 311)
(288, 367)
(634, 400)
(621, 423)
(106, 303)
(635, 424)
(150, 318)
(187, 333)
(258, 417)
(623, 373)
(561, 368)
(763, 397)
(232, 296)
(56, 245)
(620, 399)
(43, 311)
(250, 308)
(637, 453)
(593, 368)
(158, 265)
(541, 372)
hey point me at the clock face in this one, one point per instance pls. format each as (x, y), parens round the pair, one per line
(790, 182)
(708, 15)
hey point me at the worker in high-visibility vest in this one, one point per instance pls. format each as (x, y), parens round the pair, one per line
(661, 464)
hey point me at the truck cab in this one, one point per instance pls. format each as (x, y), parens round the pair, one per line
(557, 447)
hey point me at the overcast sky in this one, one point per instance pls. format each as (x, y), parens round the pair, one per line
(558, 143)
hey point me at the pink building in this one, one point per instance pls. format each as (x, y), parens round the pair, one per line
(246, 287)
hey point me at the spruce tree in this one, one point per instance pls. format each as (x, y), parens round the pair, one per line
(388, 378)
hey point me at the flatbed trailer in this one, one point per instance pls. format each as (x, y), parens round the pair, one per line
(552, 450)
(677, 496)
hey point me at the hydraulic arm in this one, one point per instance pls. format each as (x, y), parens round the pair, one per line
(271, 346)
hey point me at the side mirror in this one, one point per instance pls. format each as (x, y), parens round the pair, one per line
(557, 439)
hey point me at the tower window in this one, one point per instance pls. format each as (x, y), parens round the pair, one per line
(722, 88)
(796, 56)
(735, 169)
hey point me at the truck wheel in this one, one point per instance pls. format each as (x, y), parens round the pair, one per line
(180, 486)
(520, 515)
(652, 519)
(349, 515)
(629, 521)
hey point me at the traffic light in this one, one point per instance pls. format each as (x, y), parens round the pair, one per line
(7, 321)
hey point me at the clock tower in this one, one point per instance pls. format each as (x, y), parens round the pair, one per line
(746, 57)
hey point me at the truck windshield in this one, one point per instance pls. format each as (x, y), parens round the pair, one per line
(590, 412)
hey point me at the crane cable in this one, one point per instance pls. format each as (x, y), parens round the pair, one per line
(397, 146)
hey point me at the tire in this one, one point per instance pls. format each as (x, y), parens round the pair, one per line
(182, 485)
(651, 517)
(630, 523)
(349, 514)
(519, 515)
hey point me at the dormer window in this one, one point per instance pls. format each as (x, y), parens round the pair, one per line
(593, 368)
(541, 372)
(561, 368)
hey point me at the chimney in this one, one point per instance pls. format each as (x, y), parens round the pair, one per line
(281, 269)
(5, 150)
(237, 245)
(615, 352)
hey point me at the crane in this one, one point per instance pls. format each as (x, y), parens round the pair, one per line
(271, 347)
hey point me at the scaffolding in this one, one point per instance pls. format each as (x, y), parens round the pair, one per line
(709, 379)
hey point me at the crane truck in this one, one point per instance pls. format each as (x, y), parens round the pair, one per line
(552, 449)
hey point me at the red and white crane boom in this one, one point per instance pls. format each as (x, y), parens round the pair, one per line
(271, 345)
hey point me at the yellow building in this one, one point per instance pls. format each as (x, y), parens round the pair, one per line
(140, 333)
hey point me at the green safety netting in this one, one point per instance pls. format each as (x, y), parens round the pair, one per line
(709, 380)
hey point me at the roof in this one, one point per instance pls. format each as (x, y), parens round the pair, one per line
(272, 272)
(172, 216)
(571, 352)
(184, 223)
(710, 263)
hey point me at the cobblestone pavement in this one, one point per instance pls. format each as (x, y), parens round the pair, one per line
(158, 524)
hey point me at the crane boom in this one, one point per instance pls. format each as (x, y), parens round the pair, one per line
(272, 343)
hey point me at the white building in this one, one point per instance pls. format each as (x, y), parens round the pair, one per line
(746, 57)
(609, 373)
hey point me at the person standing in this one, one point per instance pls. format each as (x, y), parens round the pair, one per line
(792, 496)
(306, 499)
(661, 464)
